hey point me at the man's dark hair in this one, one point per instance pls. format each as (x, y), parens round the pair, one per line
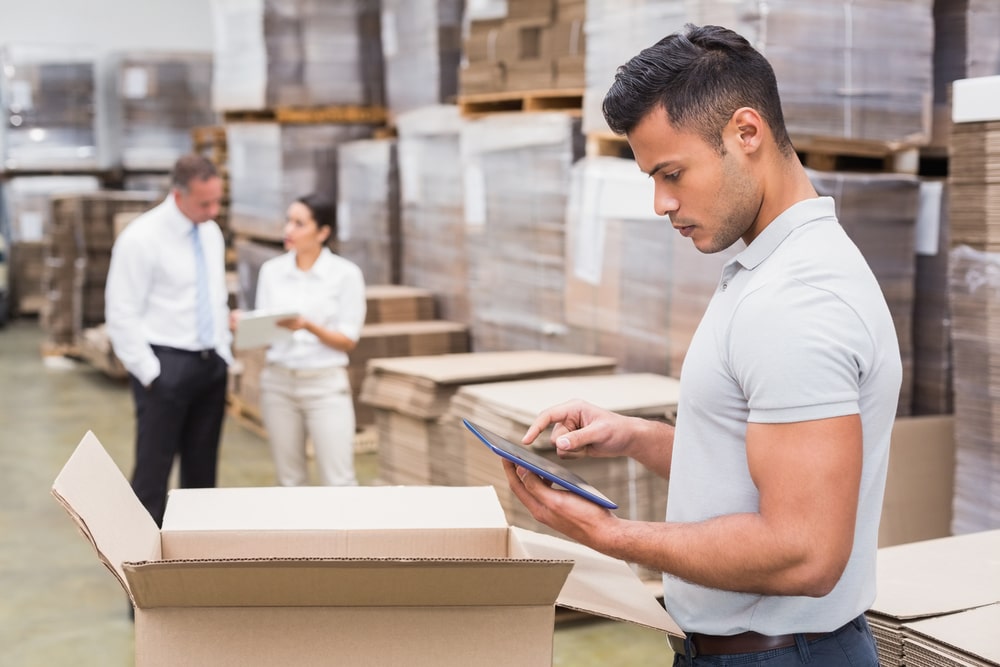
(191, 167)
(699, 76)
(323, 210)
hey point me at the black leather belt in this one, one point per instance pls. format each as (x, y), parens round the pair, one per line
(204, 354)
(745, 642)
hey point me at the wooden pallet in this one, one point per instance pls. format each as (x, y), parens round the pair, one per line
(568, 100)
(374, 115)
(608, 145)
(845, 155)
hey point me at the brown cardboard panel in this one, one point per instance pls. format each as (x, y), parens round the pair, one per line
(95, 493)
(334, 522)
(920, 483)
(346, 582)
(467, 368)
(968, 633)
(598, 584)
(356, 636)
(939, 576)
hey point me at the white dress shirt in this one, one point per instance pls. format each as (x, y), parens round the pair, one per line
(331, 294)
(151, 298)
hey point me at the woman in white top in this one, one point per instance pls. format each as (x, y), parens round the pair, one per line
(305, 390)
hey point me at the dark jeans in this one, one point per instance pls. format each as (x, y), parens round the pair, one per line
(179, 415)
(851, 646)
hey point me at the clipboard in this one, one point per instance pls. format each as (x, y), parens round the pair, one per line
(259, 328)
(541, 466)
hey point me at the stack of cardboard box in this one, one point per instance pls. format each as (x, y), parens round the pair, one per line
(410, 395)
(435, 252)
(538, 45)
(508, 408)
(938, 602)
(974, 292)
(160, 96)
(422, 47)
(368, 231)
(290, 53)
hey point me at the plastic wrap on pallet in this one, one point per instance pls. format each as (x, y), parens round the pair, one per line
(434, 252)
(636, 286)
(158, 98)
(271, 165)
(616, 31)
(516, 175)
(974, 292)
(847, 70)
(879, 212)
(53, 107)
(26, 202)
(368, 208)
(421, 47)
(295, 53)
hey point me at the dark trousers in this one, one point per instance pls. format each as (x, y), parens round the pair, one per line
(850, 646)
(179, 415)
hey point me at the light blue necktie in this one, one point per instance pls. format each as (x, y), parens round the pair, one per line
(206, 332)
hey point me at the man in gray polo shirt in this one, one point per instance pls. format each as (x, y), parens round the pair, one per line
(788, 392)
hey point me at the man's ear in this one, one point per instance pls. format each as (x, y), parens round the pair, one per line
(748, 129)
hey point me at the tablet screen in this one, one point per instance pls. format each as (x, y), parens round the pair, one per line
(541, 466)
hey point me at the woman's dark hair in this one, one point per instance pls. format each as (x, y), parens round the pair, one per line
(323, 210)
(699, 76)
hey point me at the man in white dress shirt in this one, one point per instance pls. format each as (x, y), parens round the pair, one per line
(168, 319)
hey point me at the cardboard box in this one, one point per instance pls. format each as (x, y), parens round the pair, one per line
(920, 484)
(356, 576)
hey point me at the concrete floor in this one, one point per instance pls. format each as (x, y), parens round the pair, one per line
(58, 604)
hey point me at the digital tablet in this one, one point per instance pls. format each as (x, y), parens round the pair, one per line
(259, 328)
(541, 466)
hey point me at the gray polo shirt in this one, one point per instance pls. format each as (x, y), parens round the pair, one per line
(798, 329)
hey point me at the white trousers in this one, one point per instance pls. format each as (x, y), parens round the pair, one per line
(315, 403)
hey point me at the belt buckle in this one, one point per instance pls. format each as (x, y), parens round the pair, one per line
(205, 354)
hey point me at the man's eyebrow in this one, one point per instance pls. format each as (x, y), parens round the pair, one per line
(658, 167)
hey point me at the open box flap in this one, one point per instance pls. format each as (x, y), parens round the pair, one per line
(346, 582)
(94, 492)
(598, 584)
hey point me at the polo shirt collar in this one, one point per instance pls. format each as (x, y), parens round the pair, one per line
(795, 216)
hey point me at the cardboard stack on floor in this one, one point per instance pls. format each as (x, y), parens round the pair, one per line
(368, 230)
(77, 257)
(516, 170)
(435, 252)
(974, 292)
(28, 213)
(400, 322)
(508, 408)
(938, 602)
(409, 396)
